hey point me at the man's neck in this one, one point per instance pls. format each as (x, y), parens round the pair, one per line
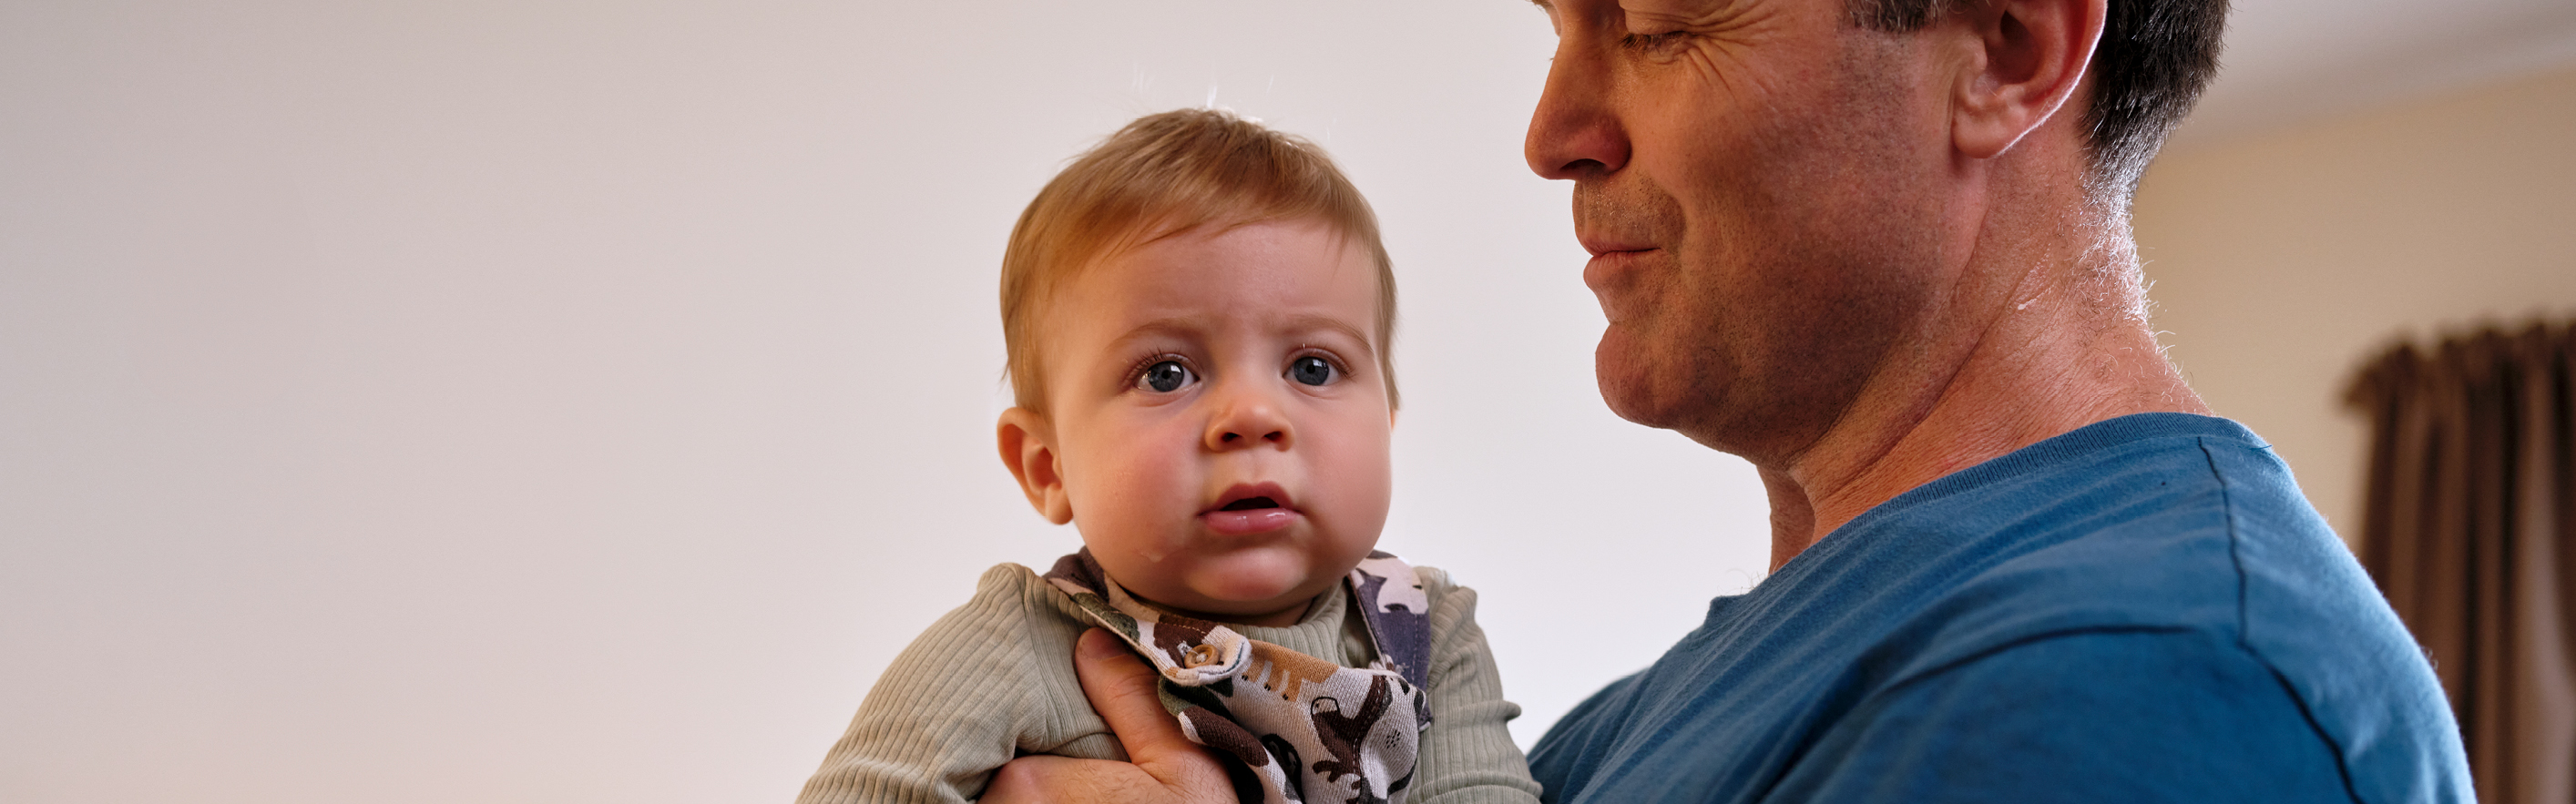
(2022, 364)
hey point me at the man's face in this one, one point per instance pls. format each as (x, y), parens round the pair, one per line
(1220, 417)
(1751, 177)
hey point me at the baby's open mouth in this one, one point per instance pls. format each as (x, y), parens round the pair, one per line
(1250, 503)
(1250, 508)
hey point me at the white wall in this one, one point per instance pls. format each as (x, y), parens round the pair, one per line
(555, 401)
(2282, 261)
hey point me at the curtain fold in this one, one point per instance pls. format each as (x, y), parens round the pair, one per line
(2470, 531)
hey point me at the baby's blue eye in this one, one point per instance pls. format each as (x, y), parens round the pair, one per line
(1165, 377)
(1311, 370)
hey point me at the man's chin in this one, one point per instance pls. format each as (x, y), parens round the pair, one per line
(1631, 388)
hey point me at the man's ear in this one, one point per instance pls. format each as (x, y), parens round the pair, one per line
(2027, 58)
(1027, 444)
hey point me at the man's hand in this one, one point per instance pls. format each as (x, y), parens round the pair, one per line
(1166, 767)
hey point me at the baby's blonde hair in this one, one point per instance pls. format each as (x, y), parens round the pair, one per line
(1164, 175)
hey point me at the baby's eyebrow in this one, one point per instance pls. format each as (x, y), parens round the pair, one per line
(1196, 327)
(1310, 323)
(1176, 326)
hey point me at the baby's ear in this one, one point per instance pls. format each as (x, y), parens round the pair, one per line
(1027, 445)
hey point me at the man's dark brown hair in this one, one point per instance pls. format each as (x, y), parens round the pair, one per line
(2155, 58)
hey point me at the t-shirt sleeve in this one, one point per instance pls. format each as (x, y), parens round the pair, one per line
(1467, 755)
(948, 712)
(2104, 716)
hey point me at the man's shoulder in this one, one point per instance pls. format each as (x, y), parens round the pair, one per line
(2175, 522)
(2087, 531)
(2135, 571)
(2118, 716)
(2203, 537)
(2191, 528)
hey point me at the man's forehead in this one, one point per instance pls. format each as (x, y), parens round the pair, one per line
(1647, 6)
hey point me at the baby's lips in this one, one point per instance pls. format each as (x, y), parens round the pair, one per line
(1248, 522)
(1240, 492)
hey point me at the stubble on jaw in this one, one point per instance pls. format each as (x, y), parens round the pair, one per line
(1802, 272)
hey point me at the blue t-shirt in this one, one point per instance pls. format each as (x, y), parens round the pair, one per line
(2144, 609)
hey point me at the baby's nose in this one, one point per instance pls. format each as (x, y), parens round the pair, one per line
(1248, 424)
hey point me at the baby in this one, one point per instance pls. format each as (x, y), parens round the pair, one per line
(1197, 313)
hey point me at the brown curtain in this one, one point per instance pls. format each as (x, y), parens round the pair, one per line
(2471, 532)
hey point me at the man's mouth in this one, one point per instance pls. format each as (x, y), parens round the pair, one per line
(1612, 274)
(1599, 245)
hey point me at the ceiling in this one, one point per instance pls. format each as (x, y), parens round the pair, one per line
(2293, 60)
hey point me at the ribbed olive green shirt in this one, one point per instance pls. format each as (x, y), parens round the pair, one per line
(994, 679)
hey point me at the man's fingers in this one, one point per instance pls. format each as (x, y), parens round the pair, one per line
(1121, 687)
(1025, 780)
(1043, 779)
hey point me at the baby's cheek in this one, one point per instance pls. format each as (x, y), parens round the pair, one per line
(1363, 519)
(1148, 507)
(1133, 526)
(1358, 475)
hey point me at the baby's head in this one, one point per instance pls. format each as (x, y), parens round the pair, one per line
(1198, 313)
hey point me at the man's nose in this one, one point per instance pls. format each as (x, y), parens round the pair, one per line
(1575, 131)
(1246, 418)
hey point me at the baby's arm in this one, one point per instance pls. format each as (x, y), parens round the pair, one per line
(1467, 754)
(960, 701)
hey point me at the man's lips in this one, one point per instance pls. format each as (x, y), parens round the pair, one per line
(1611, 255)
(1607, 272)
(1599, 244)
(1250, 508)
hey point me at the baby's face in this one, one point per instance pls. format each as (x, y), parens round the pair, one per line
(1220, 422)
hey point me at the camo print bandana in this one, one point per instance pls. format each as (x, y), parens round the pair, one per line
(1304, 729)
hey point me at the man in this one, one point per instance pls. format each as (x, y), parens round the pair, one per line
(1880, 248)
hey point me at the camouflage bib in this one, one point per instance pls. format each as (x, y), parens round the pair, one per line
(1304, 729)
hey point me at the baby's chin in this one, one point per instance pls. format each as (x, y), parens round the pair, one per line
(1247, 586)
